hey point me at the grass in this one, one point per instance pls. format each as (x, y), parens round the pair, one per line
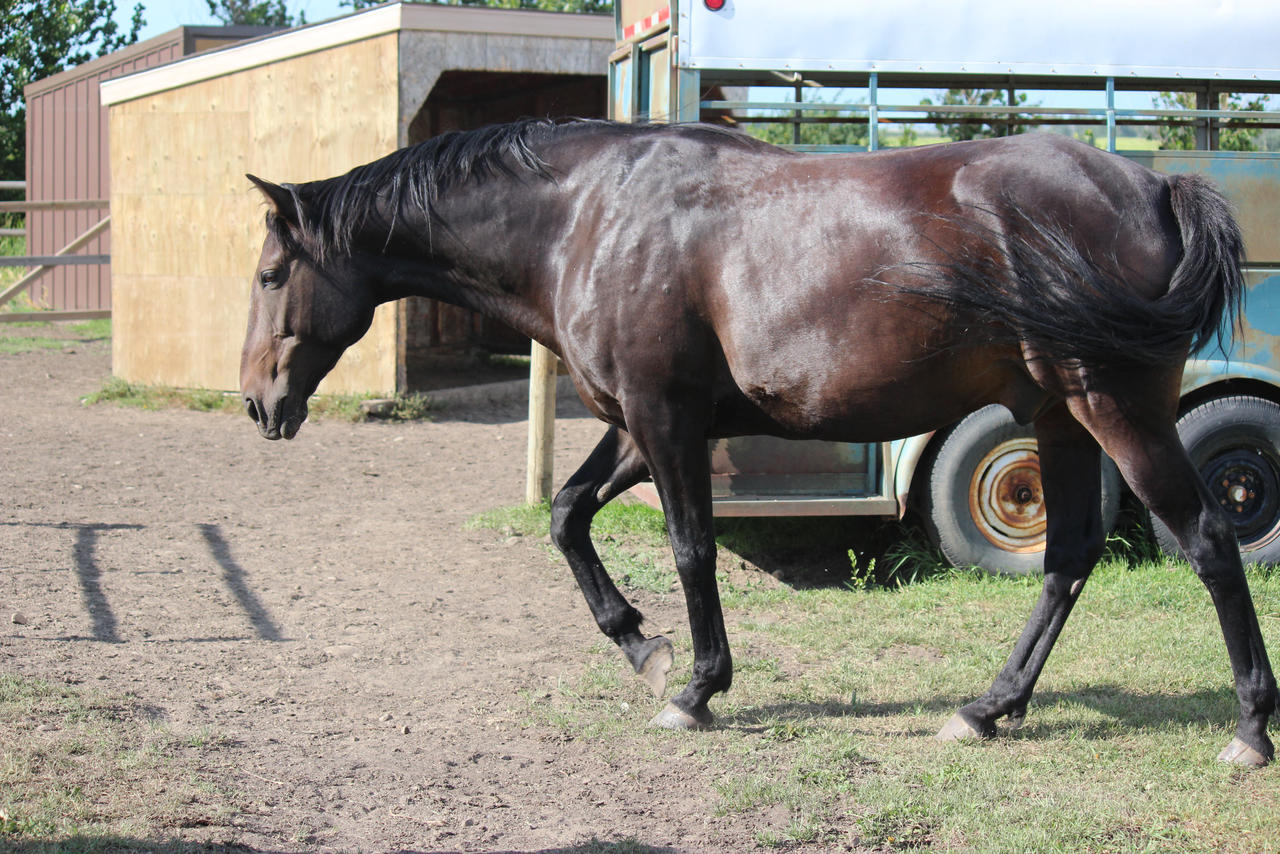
(25, 336)
(631, 540)
(826, 738)
(11, 246)
(81, 771)
(346, 407)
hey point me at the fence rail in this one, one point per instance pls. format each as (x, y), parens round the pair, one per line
(62, 205)
(13, 185)
(41, 264)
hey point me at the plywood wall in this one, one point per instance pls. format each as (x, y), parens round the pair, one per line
(187, 227)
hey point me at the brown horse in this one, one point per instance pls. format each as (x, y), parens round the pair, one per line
(698, 284)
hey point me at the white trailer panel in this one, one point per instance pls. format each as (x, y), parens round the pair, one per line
(1205, 39)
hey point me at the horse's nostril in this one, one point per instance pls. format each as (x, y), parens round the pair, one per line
(251, 408)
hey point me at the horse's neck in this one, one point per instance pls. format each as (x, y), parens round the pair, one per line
(466, 267)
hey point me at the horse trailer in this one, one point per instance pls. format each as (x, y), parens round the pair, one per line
(1182, 92)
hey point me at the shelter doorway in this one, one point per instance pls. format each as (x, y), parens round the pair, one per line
(440, 337)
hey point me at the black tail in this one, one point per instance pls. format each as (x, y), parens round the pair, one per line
(1032, 280)
(1207, 283)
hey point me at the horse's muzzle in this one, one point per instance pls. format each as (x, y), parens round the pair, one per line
(272, 422)
(259, 415)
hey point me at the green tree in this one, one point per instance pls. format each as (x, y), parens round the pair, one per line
(851, 132)
(42, 37)
(266, 13)
(949, 127)
(1183, 138)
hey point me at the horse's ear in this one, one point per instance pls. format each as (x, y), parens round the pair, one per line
(282, 202)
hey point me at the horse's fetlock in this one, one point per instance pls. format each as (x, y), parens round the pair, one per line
(620, 622)
(718, 677)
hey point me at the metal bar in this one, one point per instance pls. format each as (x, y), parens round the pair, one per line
(1111, 114)
(969, 120)
(61, 205)
(1013, 112)
(22, 316)
(795, 126)
(634, 94)
(876, 505)
(25, 282)
(12, 232)
(13, 185)
(53, 260)
(873, 113)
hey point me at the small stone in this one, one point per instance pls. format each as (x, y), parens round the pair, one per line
(18, 618)
(378, 408)
(385, 717)
(404, 730)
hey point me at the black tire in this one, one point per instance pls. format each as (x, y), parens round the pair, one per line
(981, 499)
(1235, 444)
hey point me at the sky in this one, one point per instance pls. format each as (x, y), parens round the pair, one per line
(165, 15)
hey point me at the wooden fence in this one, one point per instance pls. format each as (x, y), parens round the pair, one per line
(40, 264)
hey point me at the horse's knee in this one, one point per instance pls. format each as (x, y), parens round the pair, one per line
(693, 555)
(566, 520)
(1211, 547)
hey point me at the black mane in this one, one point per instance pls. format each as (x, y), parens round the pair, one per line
(334, 211)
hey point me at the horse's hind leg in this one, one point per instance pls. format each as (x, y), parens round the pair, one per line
(1071, 480)
(612, 468)
(1157, 468)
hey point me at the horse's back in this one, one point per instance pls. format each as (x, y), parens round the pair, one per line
(799, 269)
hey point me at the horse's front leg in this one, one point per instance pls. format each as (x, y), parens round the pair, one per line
(612, 468)
(1070, 477)
(677, 455)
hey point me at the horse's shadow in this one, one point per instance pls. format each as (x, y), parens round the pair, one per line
(810, 552)
(1122, 709)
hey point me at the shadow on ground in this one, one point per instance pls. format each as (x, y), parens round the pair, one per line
(121, 845)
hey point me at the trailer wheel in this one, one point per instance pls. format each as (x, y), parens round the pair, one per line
(1235, 443)
(982, 500)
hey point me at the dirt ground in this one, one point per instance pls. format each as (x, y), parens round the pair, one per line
(319, 607)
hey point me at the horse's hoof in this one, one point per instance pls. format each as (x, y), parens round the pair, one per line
(957, 729)
(673, 717)
(653, 670)
(1239, 753)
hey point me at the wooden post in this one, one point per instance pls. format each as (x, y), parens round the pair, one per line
(542, 423)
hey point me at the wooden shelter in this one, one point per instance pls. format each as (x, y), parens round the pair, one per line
(299, 105)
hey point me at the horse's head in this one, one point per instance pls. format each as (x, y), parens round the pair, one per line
(303, 313)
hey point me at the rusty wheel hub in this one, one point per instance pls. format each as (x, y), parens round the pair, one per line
(1006, 500)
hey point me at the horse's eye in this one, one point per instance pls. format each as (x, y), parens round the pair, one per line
(269, 277)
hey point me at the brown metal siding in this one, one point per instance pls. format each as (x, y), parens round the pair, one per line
(67, 158)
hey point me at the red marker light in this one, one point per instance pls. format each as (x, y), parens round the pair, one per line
(713, 5)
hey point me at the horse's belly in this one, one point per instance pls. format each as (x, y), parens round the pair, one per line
(891, 400)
